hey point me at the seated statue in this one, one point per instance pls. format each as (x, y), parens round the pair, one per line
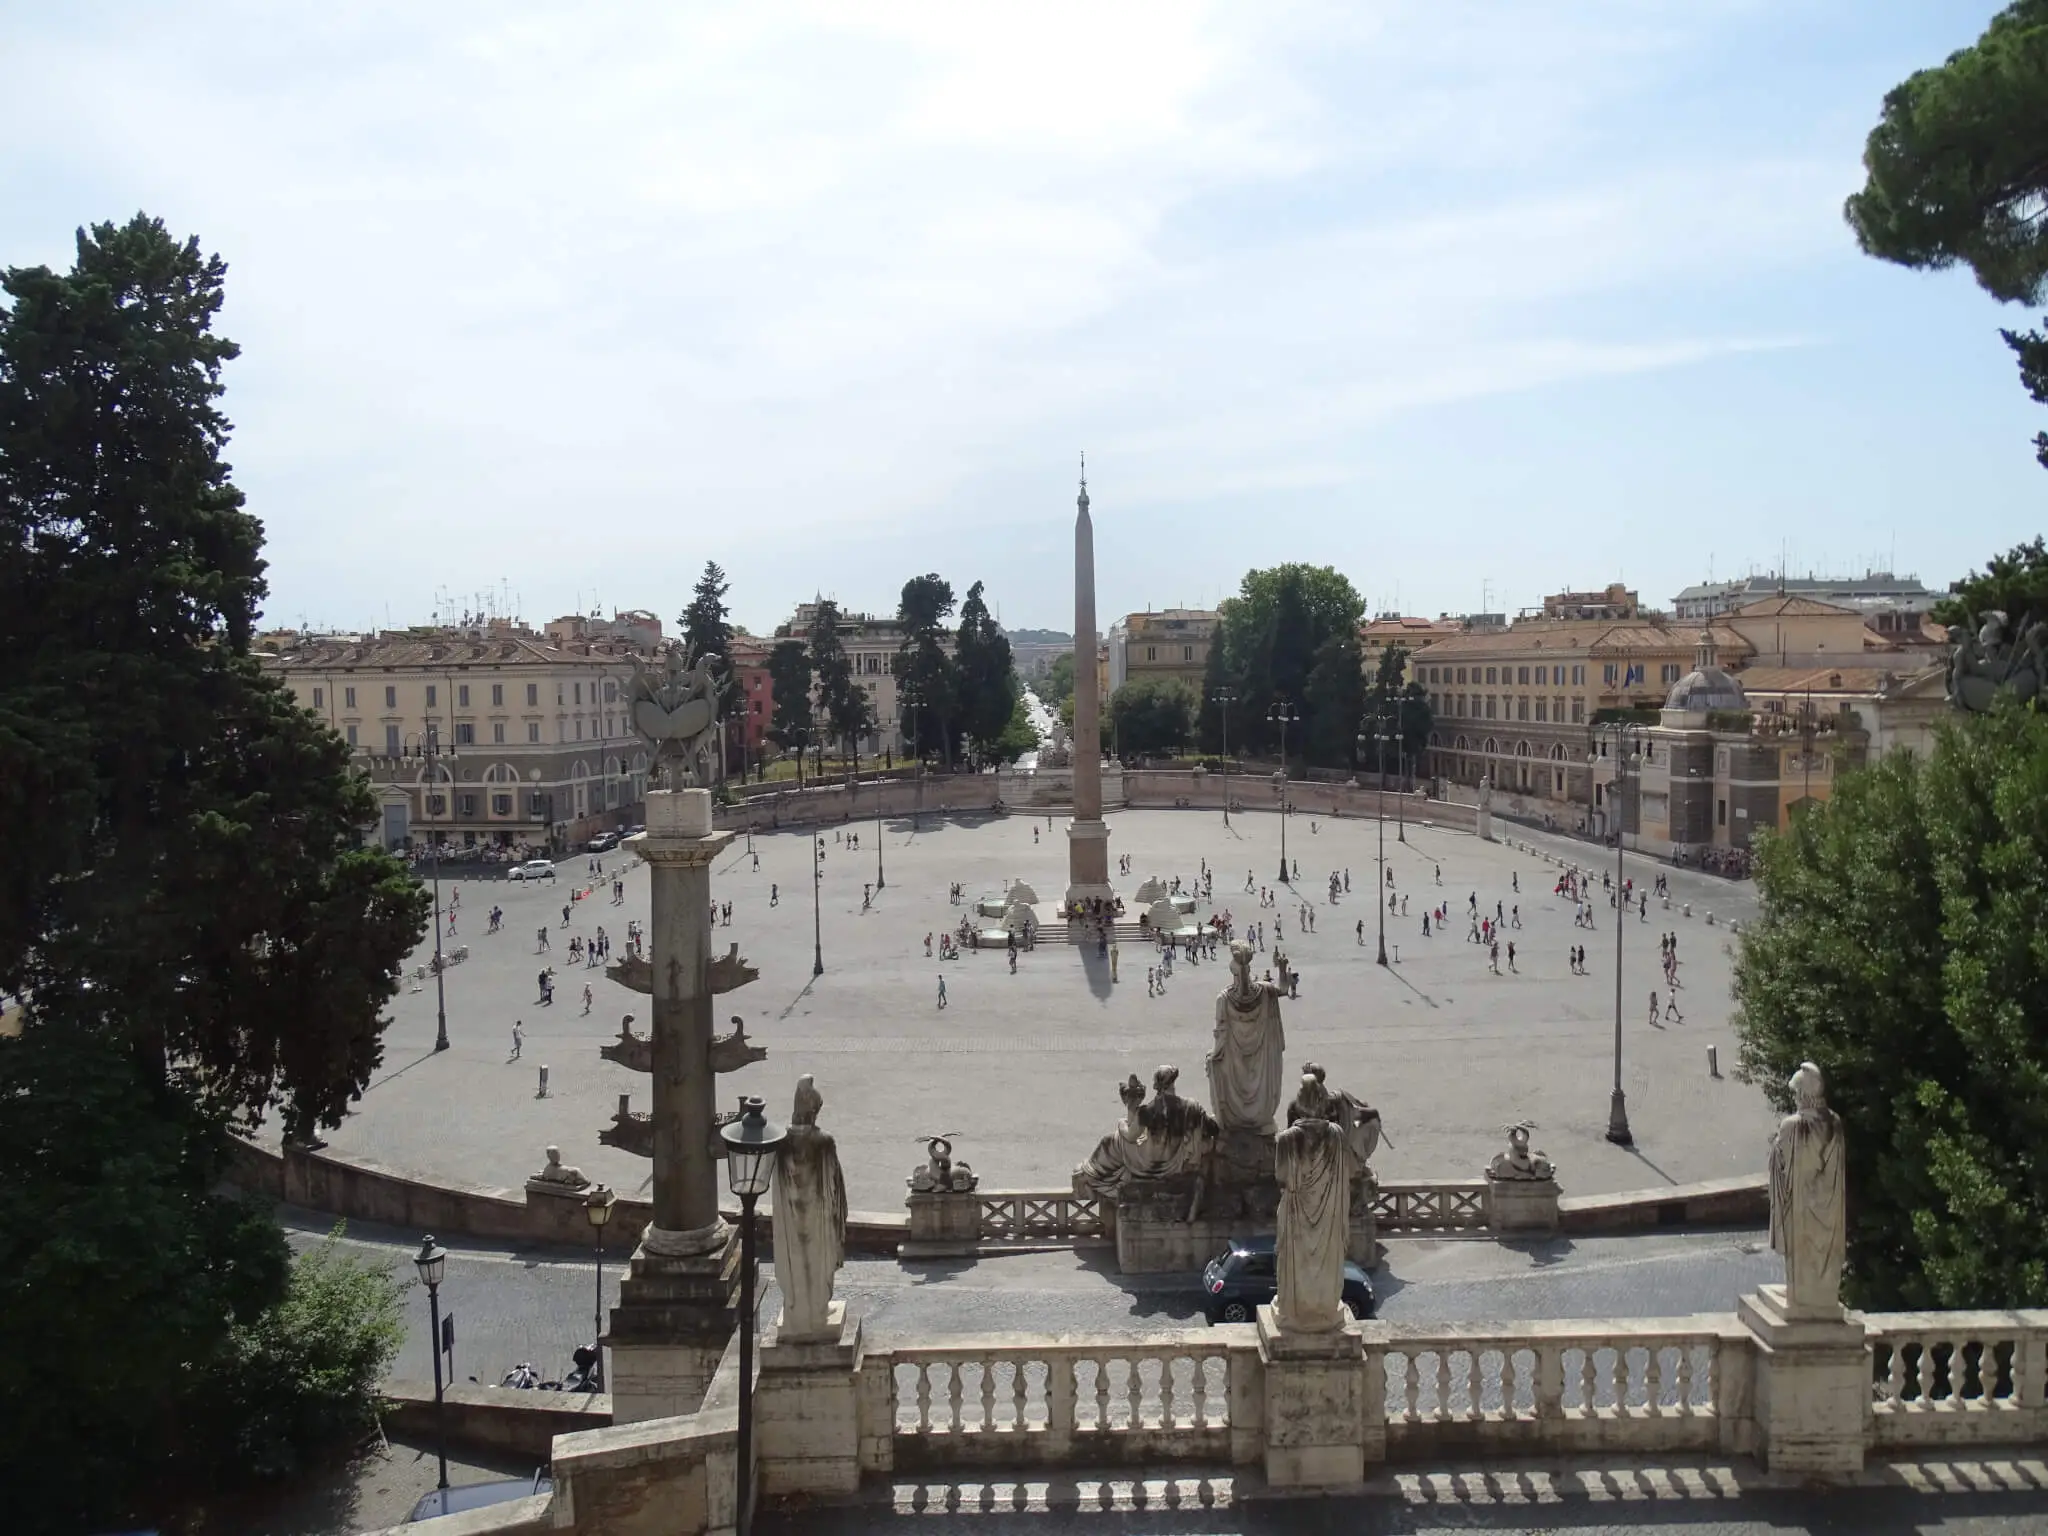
(1166, 1138)
(1518, 1162)
(1361, 1122)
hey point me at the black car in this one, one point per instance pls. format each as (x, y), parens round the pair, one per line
(1236, 1285)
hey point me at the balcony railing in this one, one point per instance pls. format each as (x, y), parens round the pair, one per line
(1944, 1378)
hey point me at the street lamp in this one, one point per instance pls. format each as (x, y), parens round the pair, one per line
(428, 750)
(432, 1262)
(1628, 753)
(750, 1146)
(1379, 891)
(880, 881)
(916, 697)
(1224, 699)
(1401, 769)
(817, 920)
(1283, 717)
(597, 1205)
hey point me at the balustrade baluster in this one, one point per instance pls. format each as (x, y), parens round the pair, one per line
(1654, 1379)
(1061, 1396)
(1589, 1382)
(1198, 1392)
(1685, 1378)
(1017, 1421)
(924, 1371)
(1549, 1393)
(1102, 1396)
(988, 1396)
(1475, 1384)
(953, 1385)
(1926, 1372)
(1443, 1384)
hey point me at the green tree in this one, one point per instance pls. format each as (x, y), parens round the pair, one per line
(1958, 170)
(1334, 696)
(792, 723)
(707, 622)
(1059, 681)
(925, 674)
(1018, 736)
(986, 674)
(1153, 716)
(198, 934)
(842, 701)
(1399, 708)
(1899, 947)
(2015, 584)
(1271, 637)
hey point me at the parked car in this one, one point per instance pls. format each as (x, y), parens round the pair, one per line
(636, 829)
(604, 842)
(454, 1501)
(532, 869)
(1240, 1281)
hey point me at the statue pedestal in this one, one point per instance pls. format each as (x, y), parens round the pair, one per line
(1812, 1385)
(809, 1435)
(1522, 1206)
(1154, 1234)
(670, 1328)
(1315, 1406)
(1088, 862)
(944, 1224)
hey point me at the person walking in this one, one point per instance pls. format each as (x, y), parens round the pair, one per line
(542, 934)
(1493, 958)
(1653, 1008)
(518, 1039)
(587, 999)
(942, 991)
(1511, 955)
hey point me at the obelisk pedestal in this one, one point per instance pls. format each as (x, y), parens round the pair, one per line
(1087, 833)
(677, 1302)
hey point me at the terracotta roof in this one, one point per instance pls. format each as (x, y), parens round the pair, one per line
(405, 652)
(1586, 637)
(1781, 607)
(1860, 680)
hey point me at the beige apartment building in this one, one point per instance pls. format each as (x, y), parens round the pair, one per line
(1412, 634)
(871, 645)
(535, 747)
(1172, 643)
(1515, 703)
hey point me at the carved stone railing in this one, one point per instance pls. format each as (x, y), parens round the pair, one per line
(1189, 1397)
(1948, 1378)
(1644, 1384)
(1035, 1216)
(1456, 1205)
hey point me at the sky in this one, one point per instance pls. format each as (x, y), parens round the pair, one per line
(542, 306)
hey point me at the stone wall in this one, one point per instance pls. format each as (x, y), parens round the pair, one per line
(833, 804)
(494, 1418)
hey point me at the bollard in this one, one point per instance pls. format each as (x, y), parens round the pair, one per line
(543, 1082)
(1688, 909)
(1710, 919)
(1397, 954)
(1667, 903)
(1713, 1061)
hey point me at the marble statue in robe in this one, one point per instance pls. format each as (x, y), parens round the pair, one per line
(1245, 1072)
(1315, 1162)
(1122, 1152)
(1809, 1213)
(810, 1220)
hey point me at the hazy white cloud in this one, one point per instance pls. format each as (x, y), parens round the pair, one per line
(583, 295)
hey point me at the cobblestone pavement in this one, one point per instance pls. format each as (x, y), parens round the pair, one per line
(1026, 1066)
(512, 1305)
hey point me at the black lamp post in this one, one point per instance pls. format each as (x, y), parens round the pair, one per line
(597, 1205)
(428, 750)
(880, 881)
(1628, 753)
(817, 908)
(1283, 717)
(432, 1263)
(1401, 769)
(1379, 739)
(1224, 699)
(750, 1146)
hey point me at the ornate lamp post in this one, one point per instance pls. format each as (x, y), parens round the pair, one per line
(879, 880)
(1626, 739)
(1401, 769)
(432, 1263)
(1224, 699)
(427, 750)
(597, 1205)
(750, 1146)
(1283, 716)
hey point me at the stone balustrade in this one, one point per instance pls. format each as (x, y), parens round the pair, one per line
(1035, 1402)
(1958, 1378)
(1017, 1216)
(1455, 1205)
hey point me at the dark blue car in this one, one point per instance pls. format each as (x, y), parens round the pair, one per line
(1236, 1285)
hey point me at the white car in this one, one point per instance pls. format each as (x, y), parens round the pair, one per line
(532, 869)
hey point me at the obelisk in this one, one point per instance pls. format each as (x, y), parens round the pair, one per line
(1087, 833)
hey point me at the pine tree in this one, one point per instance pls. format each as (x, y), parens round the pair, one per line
(841, 699)
(792, 723)
(987, 687)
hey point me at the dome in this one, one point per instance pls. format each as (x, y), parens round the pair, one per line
(1706, 688)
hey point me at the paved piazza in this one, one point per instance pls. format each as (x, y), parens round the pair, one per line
(1025, 1068)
